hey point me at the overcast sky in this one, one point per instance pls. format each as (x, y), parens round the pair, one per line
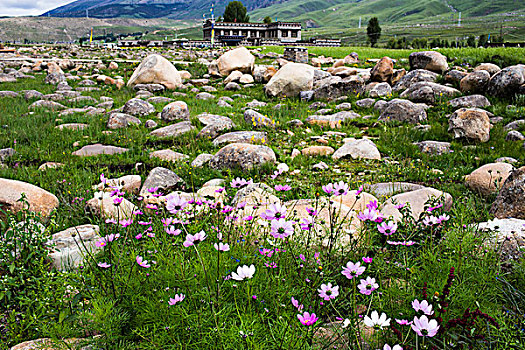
(28, 7)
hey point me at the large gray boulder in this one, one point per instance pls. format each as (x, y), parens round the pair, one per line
(157, 70)
(357, 149)
(163, 179)
(242, 155)
(290, 80)
(415, 76)
(509, 203)
(237, 59)
(507, 82)
(39, 200)
(472, 101)
(70, 247)
(471, 123)
(403, 111)
(334, 87)
(177, 110)
(173, 130)
(488, 178)
(428, 92)
(475, 82)
(138, 107)
(429, 60)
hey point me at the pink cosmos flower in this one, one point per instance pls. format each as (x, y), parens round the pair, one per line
(238, 182)
(375, 321)
(117, 200)
(191, 240)
(281, 228)
(431, 209)
(104, 265)
(178, 298)
(395, 347)
(174, 203)
(153, 189)
(368, 214)
(443, 217)
(425, 328)
(111, 221)
(367, 286)
(430, 220)
(311, 211)
(353, 270)
(327, 291)
(274, 212)
(422, 306)
(103, 178)
(387, 228)
(340, 188)
(307, 223)
(172, 231)
(222, 247)
(142, 262)
(359, 190)
(296, 304)
(404, 322)
(282, 188)
(367, 259)
(372, 205)
(307, 319)
(126, 223)
(329, 189)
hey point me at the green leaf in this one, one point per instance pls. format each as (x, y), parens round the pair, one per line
(12, 268)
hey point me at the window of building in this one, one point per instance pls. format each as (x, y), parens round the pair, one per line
(294, 34)
(285, 34)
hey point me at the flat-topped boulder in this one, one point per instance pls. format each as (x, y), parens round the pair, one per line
(434, 147)
(121, 120)
(388, 189)
(428, 92)
(45, 104)
(332, 120)
(415, 76)
(241, 137)
(98, 149)
(168, 155)
(173, 130)
(39, 200)
(242, 155)
(72, 126)
(472, 101)
(137, 107)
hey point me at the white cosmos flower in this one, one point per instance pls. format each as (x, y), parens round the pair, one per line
(244, 272)
(377, 322)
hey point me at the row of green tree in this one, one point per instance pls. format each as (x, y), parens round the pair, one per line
(421, 43)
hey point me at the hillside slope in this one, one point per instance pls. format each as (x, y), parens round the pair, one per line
(345, 13)
(177, 9)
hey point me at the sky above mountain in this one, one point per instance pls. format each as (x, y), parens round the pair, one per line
(28, 7)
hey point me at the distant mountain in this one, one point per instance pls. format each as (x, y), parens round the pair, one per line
(313, 13)
(176, 9)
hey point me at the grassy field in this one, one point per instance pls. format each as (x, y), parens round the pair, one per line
(126, 305)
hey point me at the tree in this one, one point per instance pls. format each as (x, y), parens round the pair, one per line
(482, 40)
(267, 20)
(471, 41)
(373, 31)
(235, 12)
